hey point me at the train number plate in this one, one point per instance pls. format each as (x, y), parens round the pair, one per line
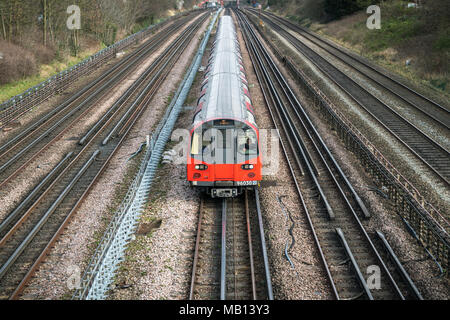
(246, 183)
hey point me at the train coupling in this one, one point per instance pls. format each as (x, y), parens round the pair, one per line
(224, 192)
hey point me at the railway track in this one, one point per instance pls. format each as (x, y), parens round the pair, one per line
(439, 113)
(25, 146)
(424, 147)
(230, 259)
(349, 250)
(31, 229)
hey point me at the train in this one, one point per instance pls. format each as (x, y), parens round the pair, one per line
(224, 150)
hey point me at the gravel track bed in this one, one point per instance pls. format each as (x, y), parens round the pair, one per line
(308, 280)
(410, 167)
(40, 110)
(157, 260)
(13, 193)
(420, 120)
(80, 239)
(422, 270)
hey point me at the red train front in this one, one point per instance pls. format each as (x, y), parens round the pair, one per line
(224, 148)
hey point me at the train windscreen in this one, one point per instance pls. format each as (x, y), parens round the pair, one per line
(224, 145)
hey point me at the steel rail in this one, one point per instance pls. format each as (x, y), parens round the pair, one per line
(123, 65)
(250, 247)
(216, 269)
(4, 224)
(172, 50)
(425, 222)
(399, 266)
(284, 84)
(149, 94)
(301, 147)
(49, 131)
(5, 267)
(264, 247)
(196, 250)
(309, 127)
(57, 234)
(373, 249)
(323, 43)
(223, 252)
(427, 157)
(16, 106)
(270, 100)
(355, 266)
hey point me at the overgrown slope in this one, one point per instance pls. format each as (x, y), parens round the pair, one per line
(414, 41)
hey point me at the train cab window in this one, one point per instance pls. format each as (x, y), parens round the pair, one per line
(247, 142)
(200, 142)
(196, 143)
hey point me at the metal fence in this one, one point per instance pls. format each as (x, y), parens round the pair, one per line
(422, 219)
(21, 103)
(104, 262)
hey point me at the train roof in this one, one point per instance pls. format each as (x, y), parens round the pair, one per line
(223, 91)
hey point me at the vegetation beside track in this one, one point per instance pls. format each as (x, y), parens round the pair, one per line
(35, 42)
(412, 42)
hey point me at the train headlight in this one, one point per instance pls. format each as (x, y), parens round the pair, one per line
(197, 175)
(201, 167)
(247, 166)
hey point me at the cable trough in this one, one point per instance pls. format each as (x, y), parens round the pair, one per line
(334, 210)
(104, 262)
(421, 144)
(429, 225)
(33, 228)
(33, 140)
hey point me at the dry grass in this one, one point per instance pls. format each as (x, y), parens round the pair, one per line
(427, 66)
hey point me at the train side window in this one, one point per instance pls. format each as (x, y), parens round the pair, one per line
(247, 99)
(200, 99)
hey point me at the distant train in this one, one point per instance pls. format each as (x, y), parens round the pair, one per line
(224, 147)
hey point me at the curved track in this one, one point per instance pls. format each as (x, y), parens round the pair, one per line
(432, 109)
(432, 154)
(28, 233)
(333, 209)
(33, 140)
